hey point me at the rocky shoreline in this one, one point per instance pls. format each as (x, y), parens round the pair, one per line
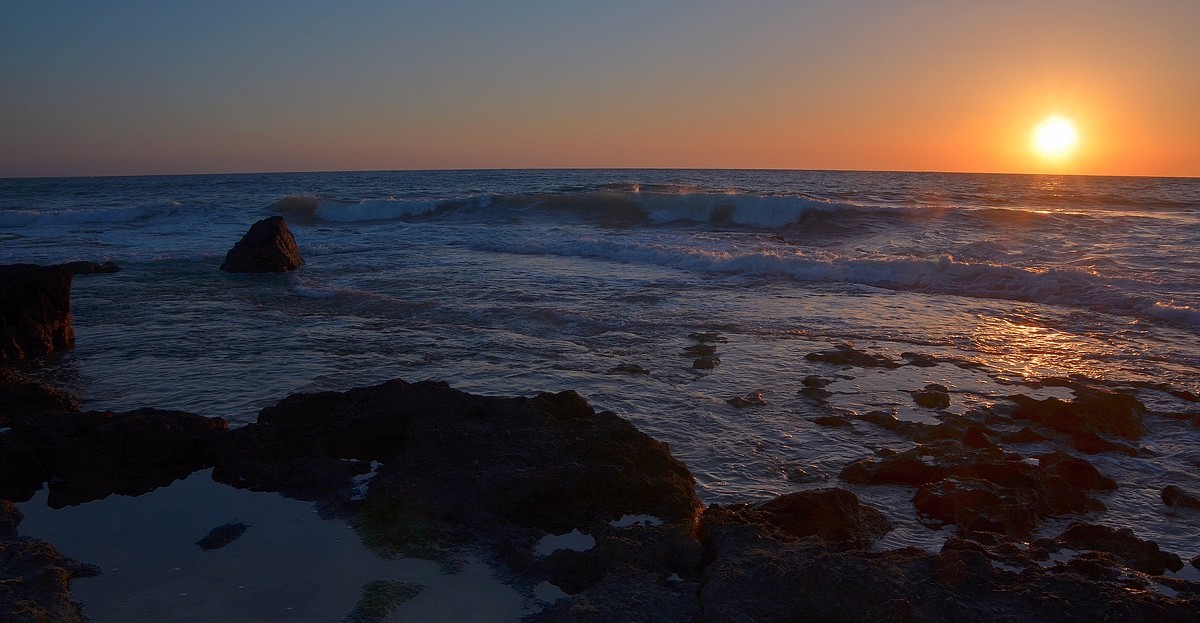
(424, 470)
(421, 469)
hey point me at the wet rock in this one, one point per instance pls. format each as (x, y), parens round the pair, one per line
(35, 583)
(90, 268)
(1095, 411)
(933, 396)
(976, 505)
(991, 490)
(380, 598)
(847, 355)
(975, 437)
(833, 515)
(919, 360)
(627, 594)
(1178, 498)
(10, 518)
(760, 575)
(655, 551)
(813, 380)
(707, 337)
(21, 395)
(700, 350)
(802, 476)
(35, 311)
(88, 456)
(268, 247)
(706, 363)
(548, 463)
(628, 368)
(1184, 395)
(753, 399)
(1144, 556)
(833, 421)
(815, 393)
(223, 535)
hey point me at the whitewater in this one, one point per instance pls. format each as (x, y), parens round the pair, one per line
(515, 282)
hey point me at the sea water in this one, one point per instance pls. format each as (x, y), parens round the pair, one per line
(515, 282)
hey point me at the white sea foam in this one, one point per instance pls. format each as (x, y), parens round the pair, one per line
(72, 217)
(940, 275)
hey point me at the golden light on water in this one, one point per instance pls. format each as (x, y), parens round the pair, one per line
(1055, 138)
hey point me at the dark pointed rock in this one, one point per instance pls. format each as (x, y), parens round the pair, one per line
(223, 535)
(268, 247)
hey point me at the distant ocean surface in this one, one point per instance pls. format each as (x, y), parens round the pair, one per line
(514, 282)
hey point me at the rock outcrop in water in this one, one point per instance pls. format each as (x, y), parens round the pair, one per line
(268, 247)
(35, 307)
(35, 311)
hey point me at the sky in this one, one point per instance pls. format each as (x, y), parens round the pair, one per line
(125, 87)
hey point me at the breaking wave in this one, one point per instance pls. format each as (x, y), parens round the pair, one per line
(97, 216)
(943, 275)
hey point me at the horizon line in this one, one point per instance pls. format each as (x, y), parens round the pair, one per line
(466, 169)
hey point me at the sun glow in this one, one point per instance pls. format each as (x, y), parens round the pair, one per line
(1055, 138)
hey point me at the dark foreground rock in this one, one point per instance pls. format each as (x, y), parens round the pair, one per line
(454, 464)
(19, 394)
(35, 583)
(758, 574)
(986, 489)
(421, 469)
(35, 311)
(88, 456)
(268, 247)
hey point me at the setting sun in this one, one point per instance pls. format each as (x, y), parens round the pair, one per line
(1055, 138)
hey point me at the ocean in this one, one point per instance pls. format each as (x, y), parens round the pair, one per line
(515, 282)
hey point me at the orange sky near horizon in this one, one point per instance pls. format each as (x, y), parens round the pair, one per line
(924, 85)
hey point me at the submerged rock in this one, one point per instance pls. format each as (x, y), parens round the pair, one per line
(379, 599)
(628, 368)
(222, 535)
(700, 350)
(846, 354)
(35, 311)
(1178, 498)
(90, 268)
(268, 247)
(705, 363)
(753, 399)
